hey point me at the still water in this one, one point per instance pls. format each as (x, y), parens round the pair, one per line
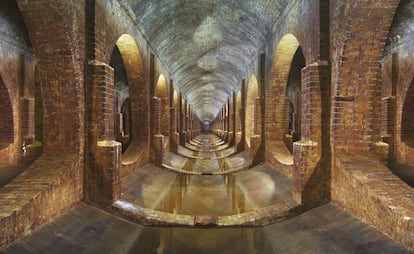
(219, 195)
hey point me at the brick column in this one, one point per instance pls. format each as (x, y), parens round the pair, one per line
(157, 146)
(106, 187)
(256, 154)
(311, 178)
(388, 111)
(102, 176)
(174, 137)
(241, 131)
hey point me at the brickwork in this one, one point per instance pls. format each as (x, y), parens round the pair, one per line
(48, 187)
(361, 183)
(252, 94)
(162, 93)
(369, 190)
(356, 97)
(353, 115)
(397, 92)
(6, 114)
(277, 105)
(16, 85)
(54, 182)
(57, 44)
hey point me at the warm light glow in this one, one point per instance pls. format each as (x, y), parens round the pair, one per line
(252, 93)
(161, 89)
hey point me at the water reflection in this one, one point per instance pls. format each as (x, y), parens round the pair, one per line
(206, 194)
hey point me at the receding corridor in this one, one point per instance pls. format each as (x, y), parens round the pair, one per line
(207, 126)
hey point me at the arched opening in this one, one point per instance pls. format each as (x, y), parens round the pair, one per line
(252, 94)
(407, 121)
(18, 96)
(293, 96)
(6, 116)
(131, 100)
(397, 116)
(238, 117)
(177, 113)
(283, 101)
(161, 92)
(122, 105)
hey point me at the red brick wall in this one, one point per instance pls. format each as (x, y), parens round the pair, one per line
(16, 85)
(6, 116)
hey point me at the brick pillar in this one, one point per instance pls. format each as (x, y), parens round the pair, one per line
(257, 128)
(256, 154)
(102, 175)
(106, 186)
(157, 146)
(158, 149)
(242, 131)
(155, 115)
(231, 130)
(388, 111)
(305, 159)
(174, 137)
(311, 177)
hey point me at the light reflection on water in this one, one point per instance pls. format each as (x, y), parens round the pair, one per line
(205, 194)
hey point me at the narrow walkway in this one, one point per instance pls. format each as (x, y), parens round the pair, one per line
(326, 229)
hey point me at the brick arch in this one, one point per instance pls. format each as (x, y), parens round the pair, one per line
(55, 39)
(6, 116)
(407, 118)
(356, 93)
(161, 91)
(138, 95)
(252, 94)
(176, 105)
(277, 103)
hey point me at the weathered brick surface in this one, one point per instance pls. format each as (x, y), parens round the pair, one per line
(49, 186)
(57, 40)
(16, 85)
(397, 89)
(339, 121)
(356, 97)
(252, 94)
(54, 182)
(370, 191)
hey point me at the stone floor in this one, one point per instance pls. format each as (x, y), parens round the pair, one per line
(86, 229)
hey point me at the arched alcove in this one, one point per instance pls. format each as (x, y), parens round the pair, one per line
(131, 99)
(6, 116)
(407, 121)
(177, 113)
(122, 121)
(161, 91)
(293, 99)
(252, 94)
(282, 91)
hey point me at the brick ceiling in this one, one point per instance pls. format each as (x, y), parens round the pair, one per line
(208, 46)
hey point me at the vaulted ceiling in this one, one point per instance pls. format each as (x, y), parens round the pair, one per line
(208, 46)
